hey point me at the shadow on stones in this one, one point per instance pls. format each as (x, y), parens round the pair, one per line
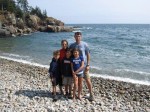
(40, 93)
(33, 93)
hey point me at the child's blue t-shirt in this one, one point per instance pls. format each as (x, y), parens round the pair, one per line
(77, 62)
(83, 50)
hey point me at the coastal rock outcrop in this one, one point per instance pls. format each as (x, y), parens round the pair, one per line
(13, 26)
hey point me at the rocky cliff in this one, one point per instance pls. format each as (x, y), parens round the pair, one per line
(13, 26)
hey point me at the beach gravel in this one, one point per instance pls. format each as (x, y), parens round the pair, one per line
(26, 88)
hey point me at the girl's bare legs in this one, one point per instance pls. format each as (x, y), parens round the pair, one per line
(75, 86)
(80, 79)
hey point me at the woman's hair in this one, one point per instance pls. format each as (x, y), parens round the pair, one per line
(64, 41)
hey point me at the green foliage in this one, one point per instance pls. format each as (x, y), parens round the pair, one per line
(11, 6)
(8, 5)
(45, 14)
(21, 8)
(37, 11)
(18, 12)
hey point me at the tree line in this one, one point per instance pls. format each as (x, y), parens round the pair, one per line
(21, 8)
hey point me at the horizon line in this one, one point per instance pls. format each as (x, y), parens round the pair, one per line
(109, 23)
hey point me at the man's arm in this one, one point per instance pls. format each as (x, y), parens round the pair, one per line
(88, 58)
(88, 62)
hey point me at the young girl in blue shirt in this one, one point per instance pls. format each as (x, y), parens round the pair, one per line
(77, 66)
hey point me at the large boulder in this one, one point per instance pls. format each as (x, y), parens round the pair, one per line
(19, 32)
(29, 30)
(20, 23)
(54, 22)
(42, 28)
(10, 18)
(11, 29)
(2, 19)
(67, 29)
(50, 21)
(4, 32)
(59, 23)
(14, 20)
(33, 21)
(51, 28)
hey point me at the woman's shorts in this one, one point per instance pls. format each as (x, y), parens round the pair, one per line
(67, 80)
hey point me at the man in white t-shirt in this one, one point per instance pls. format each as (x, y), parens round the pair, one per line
(84, 51)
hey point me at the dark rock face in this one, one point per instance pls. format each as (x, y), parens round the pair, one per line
(12, 26)
(4, 32)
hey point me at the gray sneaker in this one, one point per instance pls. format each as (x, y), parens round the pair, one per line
(91, 98)
(55, 98)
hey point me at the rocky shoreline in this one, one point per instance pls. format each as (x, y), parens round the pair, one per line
(25, 88)
(12, 26)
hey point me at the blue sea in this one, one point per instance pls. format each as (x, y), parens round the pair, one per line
(118, 51)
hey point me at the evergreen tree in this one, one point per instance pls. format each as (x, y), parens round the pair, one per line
(37, 11)
(7, 5)
(23, 4)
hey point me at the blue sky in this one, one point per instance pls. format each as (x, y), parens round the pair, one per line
(96, 11)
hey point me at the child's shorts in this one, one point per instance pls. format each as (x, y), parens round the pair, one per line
(80, 75)
(67, 80)
(54, 81)
(59, 81)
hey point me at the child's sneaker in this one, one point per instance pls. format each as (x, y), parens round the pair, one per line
(66, 95)
(91, 98)
(69, 95)
(52, 93)
(62, 93)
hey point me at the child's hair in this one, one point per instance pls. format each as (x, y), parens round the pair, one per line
(64, 41)
(75, 49)
(57, 52)
(68, 50)
(78, 33)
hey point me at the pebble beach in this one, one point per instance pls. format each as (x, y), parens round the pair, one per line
(26, 88)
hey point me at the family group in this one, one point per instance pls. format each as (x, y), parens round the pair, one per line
(69, 67)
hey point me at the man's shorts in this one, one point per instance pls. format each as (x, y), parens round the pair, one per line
(86, 75)
(67, 80)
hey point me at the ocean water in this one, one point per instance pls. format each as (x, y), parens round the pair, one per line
(118, 51)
